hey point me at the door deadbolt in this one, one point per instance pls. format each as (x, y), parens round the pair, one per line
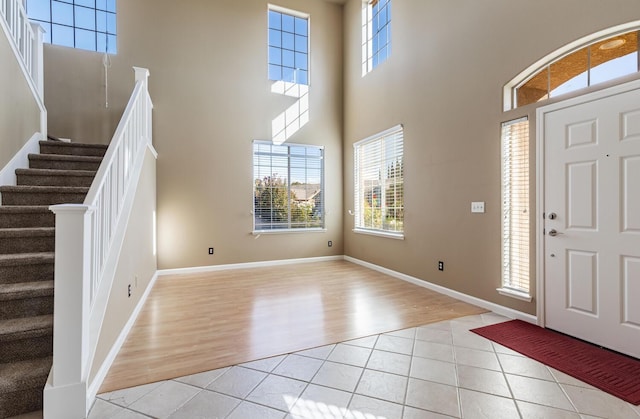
(553, 216)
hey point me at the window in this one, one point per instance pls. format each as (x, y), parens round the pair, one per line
(376, 33)
(84, 24)
(288, 46)
(595, 59)
(379, 183)
(515, 208)
(288, 186)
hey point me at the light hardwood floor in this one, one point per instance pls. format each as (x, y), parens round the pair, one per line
(203, 322)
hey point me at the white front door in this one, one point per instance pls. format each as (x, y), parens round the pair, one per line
(592, 217)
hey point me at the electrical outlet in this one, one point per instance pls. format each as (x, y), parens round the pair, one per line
(211, 250)
(330, 243)
(440, 265)
(129, 291)
(477, 207)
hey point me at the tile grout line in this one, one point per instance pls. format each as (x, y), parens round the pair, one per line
(504, 376)
(244, 398)
(406, 387)
(353, 393)
(324, 361)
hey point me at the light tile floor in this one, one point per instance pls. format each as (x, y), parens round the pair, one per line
(439, 370)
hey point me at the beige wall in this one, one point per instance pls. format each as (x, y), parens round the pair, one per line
(136, 266)
(209, 86)
(443, 81)
(19, 112)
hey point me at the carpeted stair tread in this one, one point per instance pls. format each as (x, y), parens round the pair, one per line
(27, 239)
(27, 232)
(61, 147)
(26, 216)
(22, 290)
(55, 177)
(25, 328)
(43, 195)
(23, 375)
(56, 172)
(26, 258)
(63, 157)
(26, 267)
(64, 162)
(44, 189)
(24, 209)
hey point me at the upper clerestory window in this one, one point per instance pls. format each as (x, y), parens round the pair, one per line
(288, 46)
(376, 33)
(84, 24)
(598, 58)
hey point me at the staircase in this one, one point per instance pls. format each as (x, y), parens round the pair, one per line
(61, 174)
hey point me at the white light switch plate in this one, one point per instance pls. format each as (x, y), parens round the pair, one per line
(477, 207)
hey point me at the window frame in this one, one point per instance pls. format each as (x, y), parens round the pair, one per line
(107, 45)
(516, 241)
(393, 135)
(509, 92)
(296, 15)
(371, 41)
(289, 228)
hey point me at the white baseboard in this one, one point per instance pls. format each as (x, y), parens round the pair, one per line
(216, 268)
(496, 308)
(94, 386)
(20, 160)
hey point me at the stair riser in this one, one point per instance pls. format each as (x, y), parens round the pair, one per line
(13, 245)
(75, 151)
(27, 220)
(25, 273)
(19, 402)
(39, 198)
(23, 349)
(63, 165)
(31, 180)
(27, 307)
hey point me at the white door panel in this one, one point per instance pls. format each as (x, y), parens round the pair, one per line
(592, 186)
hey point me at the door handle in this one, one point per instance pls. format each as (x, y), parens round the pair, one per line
(553, 232)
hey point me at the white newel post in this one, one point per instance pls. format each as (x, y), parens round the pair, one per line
(65, 394)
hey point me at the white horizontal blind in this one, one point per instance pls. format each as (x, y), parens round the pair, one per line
(288, 186)
(515, 205)
(379, 182)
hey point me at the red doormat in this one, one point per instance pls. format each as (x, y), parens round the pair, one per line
(618, 375)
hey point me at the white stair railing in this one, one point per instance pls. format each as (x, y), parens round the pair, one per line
(88, 240)
(26, 41)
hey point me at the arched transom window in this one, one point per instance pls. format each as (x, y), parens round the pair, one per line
(595, 59)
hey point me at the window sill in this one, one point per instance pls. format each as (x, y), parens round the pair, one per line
(380, 233)
(288, 231)
(519, 295)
